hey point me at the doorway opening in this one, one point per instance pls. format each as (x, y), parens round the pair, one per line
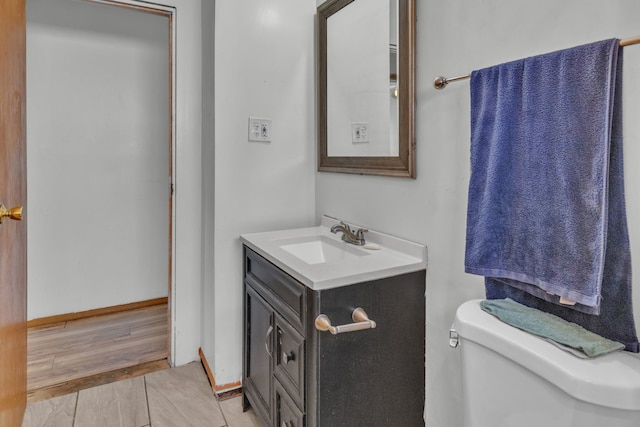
(100, 154)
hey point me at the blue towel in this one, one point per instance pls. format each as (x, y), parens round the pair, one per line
(550, 327)
(546, 216)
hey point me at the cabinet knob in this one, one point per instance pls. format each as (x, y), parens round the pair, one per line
(286, 358)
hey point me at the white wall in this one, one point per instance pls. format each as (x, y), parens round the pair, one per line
(454, 38)
(264, 67)
(188, 178)
(98, 156)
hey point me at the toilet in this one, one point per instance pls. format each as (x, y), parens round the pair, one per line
(511, 378)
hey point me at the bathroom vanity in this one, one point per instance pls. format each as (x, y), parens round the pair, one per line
(302, 286)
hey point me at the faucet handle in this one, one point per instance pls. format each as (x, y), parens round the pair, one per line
(360, 235)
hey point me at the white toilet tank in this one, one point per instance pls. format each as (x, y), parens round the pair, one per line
(511, 378)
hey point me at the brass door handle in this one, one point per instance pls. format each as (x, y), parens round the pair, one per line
(13, 213)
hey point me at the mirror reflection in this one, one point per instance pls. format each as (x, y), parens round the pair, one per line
(366, 90)
(362, 95)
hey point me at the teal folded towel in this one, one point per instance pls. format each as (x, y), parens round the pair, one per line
(549, 326)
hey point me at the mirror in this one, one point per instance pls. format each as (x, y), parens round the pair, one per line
(366, 90)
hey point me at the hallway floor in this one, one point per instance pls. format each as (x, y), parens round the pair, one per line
(172, 397)
(71, 355)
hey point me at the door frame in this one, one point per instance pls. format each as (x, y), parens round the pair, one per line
(189, 211)
(170, 13)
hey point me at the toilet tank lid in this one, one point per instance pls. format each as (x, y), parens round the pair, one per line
(612, 380)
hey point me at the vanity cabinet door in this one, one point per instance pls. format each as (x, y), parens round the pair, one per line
(373, 377)
(259, 348)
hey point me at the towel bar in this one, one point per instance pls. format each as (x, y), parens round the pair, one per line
(441, 82)
(359, 316)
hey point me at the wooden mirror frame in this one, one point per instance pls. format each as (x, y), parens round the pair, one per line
(403, 165)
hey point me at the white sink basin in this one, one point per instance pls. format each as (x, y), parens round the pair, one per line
(320, 249)
(321, 260)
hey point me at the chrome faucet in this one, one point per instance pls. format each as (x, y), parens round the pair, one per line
(348, 235)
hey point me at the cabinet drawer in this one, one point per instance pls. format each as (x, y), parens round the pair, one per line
(289, 357)
(286, 294)
(287, 413)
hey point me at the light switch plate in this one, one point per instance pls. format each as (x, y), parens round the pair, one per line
(259, 129)
(359, 132)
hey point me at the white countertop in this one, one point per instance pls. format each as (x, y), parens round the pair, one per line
(396, 256)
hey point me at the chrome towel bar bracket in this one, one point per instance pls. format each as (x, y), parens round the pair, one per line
(359, 316)
(441, 82)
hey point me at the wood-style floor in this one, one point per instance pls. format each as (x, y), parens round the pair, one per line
(173, 397)
(77, 354)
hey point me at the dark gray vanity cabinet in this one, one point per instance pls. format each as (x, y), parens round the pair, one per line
(296, 376)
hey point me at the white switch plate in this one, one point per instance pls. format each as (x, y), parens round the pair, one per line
(259, 129)
(359, 132)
